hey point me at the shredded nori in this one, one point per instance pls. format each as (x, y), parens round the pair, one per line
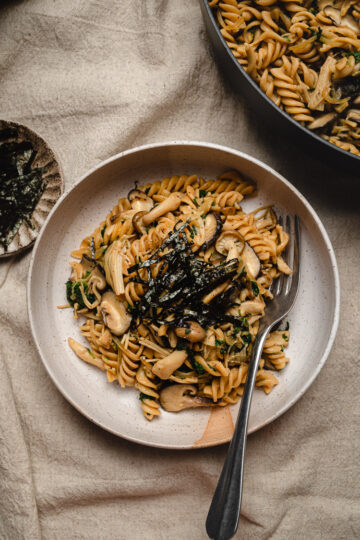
(21, 185)
(175, 295)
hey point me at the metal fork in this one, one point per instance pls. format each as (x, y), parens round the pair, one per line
(223, 517)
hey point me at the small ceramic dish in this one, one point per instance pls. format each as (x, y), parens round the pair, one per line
(52, 175)
(77, 214)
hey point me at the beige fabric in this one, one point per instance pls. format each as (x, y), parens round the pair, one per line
(96, 77)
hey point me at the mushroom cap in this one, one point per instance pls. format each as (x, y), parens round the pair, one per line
(140, 201)
(137, 222)
(227, 240)
(170, 204)
(165, 367)
(114, 314)
(177, 397)
(193, 331)
(251, 261)
(212, 228)
(322, 121)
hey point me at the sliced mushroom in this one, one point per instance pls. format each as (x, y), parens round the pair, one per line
(347, 20)
(238, 357)
(177, 397)
(251, 261)
(323, 3)
(212, 227)
(322, 121)
(282, 266)
(333, 14)
(252, 307)
(230, 244)
(193, 332)
(85, 354)
(113, 266)
(137, 222)
(140, 201)
(166, 366)
(168, 205)
(316, 101)
(353, 115)
(114, 314)
(172, 338)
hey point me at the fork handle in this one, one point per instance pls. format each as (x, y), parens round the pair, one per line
(223, 517)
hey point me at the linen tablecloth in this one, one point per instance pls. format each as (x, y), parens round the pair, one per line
(95, 77)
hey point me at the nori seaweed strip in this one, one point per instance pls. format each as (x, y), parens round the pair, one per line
(181, 281)
(20, 186)
(8, 133)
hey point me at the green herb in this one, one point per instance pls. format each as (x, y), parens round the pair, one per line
(255, 288)
(193, 231)
(195, 202)
(103, 231)
(247, 338)
(202, 193)
(204, 216)
(282, 348)
(143, 396)
(243, 272)
(213, 204)
(90, 352)
(287, 37)
(285, 337)
(187, 331)
(317, 33)
(195, 364)
(223, 344)
(147, 229)
(356, 54)
(181, 345)
(73, 293)
(147, 190)
(287, 325)
(244, 325)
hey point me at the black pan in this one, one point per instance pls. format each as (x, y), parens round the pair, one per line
(272, 114)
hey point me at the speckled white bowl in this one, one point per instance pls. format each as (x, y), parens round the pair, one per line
(78, 212)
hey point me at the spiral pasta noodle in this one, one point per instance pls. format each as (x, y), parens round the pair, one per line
(172, 285)
(305, 56)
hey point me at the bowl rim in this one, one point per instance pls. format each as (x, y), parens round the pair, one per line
(251, 159)
(286, 116)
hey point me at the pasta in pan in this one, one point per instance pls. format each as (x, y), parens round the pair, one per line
(305, 56)
(172, 285)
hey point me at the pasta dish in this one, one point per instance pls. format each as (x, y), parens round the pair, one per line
(171, 287)
(305, 56)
